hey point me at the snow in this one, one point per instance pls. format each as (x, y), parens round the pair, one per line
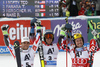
(96, 62)
(9, 61)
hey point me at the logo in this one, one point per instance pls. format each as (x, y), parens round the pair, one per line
(4, 50)
(18, 32)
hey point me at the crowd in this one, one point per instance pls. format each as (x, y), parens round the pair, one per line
(77, 7)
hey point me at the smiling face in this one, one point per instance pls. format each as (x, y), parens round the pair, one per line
(25, 45)
(49, 41)
(79, 42)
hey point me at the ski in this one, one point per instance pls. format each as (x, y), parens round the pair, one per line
(93, 48)
(34, 23)
(7, 44)
(17, 53)
(91, 52)
(41, 55)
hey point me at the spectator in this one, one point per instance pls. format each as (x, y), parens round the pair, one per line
(73, 7)
(64, 11)
(60, 8)
(87, 8)
(91, 11)
(82, 11)
(97, 7)
(88, 2)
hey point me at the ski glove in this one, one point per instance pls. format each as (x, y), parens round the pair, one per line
(95, 34)
(62, 33)
(38, 29)
(4, 29)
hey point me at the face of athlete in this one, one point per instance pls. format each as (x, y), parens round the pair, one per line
(79, 42)
(49, 41)
(25, 45)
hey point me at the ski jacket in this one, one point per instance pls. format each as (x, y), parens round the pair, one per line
(27, 56)
(79, 58)
(50, 54)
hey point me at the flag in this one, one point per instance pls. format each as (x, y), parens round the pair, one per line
(42, 6)
(41, 14)
(42, 10)
(41, 2)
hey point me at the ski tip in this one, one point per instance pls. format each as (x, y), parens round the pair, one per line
(16, 43)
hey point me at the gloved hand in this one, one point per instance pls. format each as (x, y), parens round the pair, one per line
(95, 33)
(35, 22)
(63, 31)
(4, 29)
(38, 29)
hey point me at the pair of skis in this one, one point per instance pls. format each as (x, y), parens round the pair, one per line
(17, 53)
(37, 22)
(16, 48)
(92, 47)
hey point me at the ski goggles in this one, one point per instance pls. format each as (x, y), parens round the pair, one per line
(49, 36)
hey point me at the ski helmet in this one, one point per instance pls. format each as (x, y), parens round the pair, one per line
(48, 34)
(76, 36)
(35, 22)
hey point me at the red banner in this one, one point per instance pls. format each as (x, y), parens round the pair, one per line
(19, 28)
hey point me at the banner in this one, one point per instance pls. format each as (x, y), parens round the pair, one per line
(17, 29)
(56, 28)
(4, 50)
(96, 23)
(79, 26)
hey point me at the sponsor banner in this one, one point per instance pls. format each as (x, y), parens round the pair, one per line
(4, 50)
(96, 23)
(20, 28)
(17, 29)
(56, 28)
(79, 26)
(46, 24)
(50, 62)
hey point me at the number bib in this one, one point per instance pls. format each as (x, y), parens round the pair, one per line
(50, 54)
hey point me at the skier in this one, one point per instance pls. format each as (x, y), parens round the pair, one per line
(47, 50)
(27, 54)
(50, 50)
(79, 53)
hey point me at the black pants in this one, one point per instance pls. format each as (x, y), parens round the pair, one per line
(73, 10)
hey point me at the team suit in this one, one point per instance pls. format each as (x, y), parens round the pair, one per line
(50, 51)
(79, 56)
(27, 56)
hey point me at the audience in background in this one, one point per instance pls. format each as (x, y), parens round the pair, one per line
(91, 11)
(78, 7)
(73, 7)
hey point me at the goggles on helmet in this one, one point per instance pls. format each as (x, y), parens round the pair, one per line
(48, 36)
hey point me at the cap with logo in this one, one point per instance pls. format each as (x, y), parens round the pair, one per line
(25, 39)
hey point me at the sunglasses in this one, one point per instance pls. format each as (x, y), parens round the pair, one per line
(49, 36)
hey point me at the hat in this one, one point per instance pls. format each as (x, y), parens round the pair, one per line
(25, 39)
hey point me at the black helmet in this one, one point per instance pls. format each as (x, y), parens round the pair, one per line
(35, 21)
